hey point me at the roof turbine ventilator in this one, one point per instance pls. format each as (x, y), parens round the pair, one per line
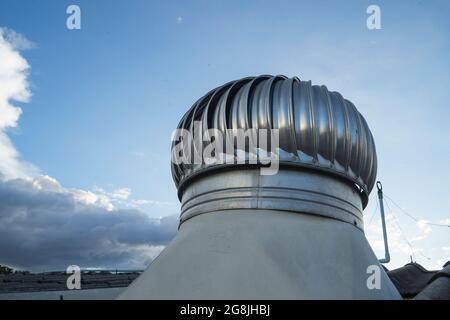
(297, 233)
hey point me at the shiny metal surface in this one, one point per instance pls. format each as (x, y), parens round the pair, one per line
(293, 190)
(387, 256)
(318, 129)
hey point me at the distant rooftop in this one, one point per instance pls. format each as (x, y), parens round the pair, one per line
(56, 281)
(415, 282)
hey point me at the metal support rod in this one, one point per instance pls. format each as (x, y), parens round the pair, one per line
(387, 257)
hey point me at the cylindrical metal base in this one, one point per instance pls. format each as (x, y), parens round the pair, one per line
(291, 190)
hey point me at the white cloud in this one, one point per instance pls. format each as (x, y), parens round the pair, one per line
(424, 228)
(13, 87)
(445, 221)
(46, 183)
(16, 40)
(122, 197)
(153, 202)
(122, 193)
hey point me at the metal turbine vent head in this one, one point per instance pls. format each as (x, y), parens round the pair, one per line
(318, 129)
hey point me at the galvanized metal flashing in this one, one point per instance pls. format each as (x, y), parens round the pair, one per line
(305, 191)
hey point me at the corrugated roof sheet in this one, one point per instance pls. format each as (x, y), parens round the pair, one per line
(411, 279)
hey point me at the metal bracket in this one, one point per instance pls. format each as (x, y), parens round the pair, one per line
(387, 257)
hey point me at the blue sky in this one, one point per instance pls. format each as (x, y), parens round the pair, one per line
(106, 98)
